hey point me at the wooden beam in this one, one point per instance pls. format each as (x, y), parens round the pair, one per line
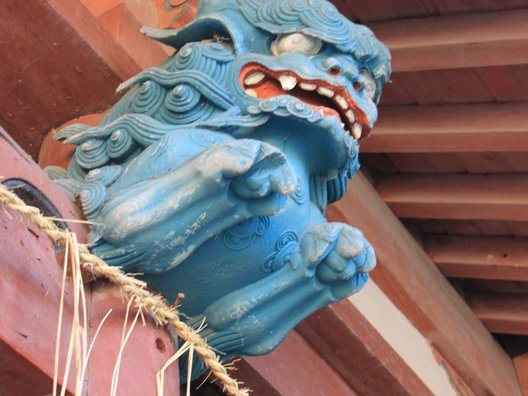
(58, 63)
(414, 284)
(251, 377)
(17, 164)
(294, 368)
(458, 41)
(521, 365)
(125, 26)
(18, 376)
(450, 129)
(456, 196)
(357, 352)
(501, 313)
(366, 341)
(480, 257)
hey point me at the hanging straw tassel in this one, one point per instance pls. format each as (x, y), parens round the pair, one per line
(133, 288)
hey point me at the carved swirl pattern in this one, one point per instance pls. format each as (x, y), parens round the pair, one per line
(211, 58)
(92, 154)
(182, 98)
(92, 196)
(298, 195)
(240, 236)
(105, 175)
(120, 144)
(55, 172)
(285, 106)
(76, 171)
(149, 98)
(204, 139)
(285, 247)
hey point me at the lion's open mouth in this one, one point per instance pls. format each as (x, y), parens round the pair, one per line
(261, 82)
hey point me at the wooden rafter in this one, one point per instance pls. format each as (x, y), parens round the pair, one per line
(456, 196)
(501, 313)
(458, 41)
(450, 129)
(409, 278)
(480, 257)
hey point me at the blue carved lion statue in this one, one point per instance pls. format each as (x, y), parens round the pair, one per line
(212, 174)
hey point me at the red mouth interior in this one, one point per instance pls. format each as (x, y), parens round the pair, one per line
(270, 87)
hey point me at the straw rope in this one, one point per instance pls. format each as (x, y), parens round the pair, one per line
(155, 304)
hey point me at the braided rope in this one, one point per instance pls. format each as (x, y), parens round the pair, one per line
(155, 304)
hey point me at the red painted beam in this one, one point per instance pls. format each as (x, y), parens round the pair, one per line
(450, 129)
(294, 369)
(18, 376)
(456, 196)
(29, 296)
(501, 313)
(414, 284)
(479, 257)
(147, 350)
(357, 352)
(125, 27)
(458, 41)
(521, 365)
(58, 63)
(250, 376)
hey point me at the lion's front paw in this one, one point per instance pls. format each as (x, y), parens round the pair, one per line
(341, 255)
(269, 173)
(267, 182)
(257, 172)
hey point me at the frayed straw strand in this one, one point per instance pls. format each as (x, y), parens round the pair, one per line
(189, 369)
(59, 321)
(92, 343)
(160, 375)
(124, 340)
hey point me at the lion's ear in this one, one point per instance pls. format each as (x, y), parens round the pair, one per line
(200, 30)
(216, 21)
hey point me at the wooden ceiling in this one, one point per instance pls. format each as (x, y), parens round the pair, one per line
(449, 153)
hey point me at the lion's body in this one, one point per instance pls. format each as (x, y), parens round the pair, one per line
(212, 174)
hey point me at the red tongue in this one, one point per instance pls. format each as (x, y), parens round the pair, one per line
(270, 88)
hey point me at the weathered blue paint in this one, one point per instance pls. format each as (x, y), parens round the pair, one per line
(213, 192)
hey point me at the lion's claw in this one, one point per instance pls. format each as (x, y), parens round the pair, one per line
(341, 255)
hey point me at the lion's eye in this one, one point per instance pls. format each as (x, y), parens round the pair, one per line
(369, 84)
(296, 42)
